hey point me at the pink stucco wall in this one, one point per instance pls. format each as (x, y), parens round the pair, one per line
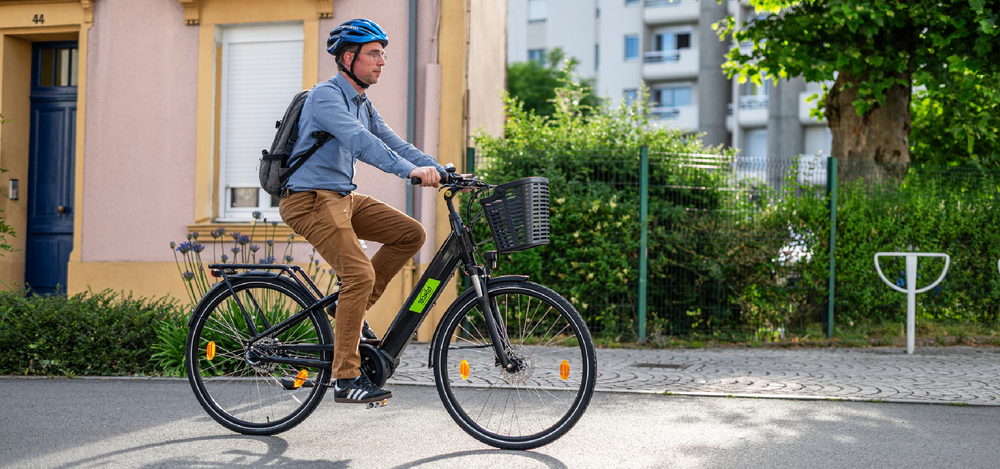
(139, 164)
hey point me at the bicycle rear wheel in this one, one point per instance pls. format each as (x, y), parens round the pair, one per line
(555, 366)
(241, 392)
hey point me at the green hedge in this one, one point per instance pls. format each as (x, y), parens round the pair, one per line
(103, 333)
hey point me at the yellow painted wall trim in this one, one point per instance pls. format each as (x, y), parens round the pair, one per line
(325, 9)
(278, 233)
(88, 10)
(192, 11)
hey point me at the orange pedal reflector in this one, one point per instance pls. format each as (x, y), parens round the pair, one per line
(564, 370)
(463, 369)
(300, 379)
(210, 350)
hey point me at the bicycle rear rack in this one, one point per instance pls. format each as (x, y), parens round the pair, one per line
(295, 272)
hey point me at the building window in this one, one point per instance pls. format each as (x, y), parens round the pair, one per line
(672, 97)
(631, 47)
(261, 71)
(630, 3)
(537, 55)
(631, 96)
(538, 11)
(672, 41)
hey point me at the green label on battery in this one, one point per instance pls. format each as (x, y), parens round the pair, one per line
(425, 295)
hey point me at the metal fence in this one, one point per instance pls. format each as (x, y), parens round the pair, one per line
(653, 244)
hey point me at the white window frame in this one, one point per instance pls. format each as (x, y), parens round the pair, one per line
(249, 33)
(638, 48)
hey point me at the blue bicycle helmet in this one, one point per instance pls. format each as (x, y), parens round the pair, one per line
(356, 32)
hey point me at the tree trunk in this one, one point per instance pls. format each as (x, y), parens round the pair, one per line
(874, 146)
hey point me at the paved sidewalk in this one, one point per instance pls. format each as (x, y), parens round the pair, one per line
(941, 375)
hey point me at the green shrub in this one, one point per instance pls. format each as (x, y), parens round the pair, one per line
(103, 333)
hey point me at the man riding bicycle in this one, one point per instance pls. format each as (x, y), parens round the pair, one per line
(320, 202)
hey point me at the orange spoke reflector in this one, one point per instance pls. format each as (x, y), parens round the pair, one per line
(463, 369)
(210, 350)
(564, 370)
(300, 379)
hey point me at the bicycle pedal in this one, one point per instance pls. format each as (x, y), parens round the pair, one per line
(289, 383)
(372, 405)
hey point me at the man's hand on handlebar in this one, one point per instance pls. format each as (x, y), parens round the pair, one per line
(428, 176)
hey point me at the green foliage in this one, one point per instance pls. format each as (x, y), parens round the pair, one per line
(879, 42)
(171, 344)
(958, 122)
(592, 163)
(104, 333)
(535, 84)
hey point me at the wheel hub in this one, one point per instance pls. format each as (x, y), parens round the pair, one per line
(522, 367)
(262, 347)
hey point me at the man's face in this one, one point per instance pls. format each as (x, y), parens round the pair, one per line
(366, 67)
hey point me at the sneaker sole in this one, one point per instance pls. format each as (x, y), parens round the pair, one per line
(344, 400)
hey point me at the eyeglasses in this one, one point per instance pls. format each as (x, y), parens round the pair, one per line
(376, 55)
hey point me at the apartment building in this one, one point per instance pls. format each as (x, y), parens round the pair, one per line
(671, 47)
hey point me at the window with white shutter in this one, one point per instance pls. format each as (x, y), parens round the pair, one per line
(261, 72)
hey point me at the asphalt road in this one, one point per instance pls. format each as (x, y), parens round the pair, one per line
(143, 423)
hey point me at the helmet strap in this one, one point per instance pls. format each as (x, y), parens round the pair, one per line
(350, 71)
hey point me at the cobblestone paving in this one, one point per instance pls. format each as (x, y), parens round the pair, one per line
(969, 375)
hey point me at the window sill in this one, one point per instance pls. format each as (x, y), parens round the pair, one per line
(262, 232)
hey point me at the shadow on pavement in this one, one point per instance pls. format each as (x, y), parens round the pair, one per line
(548, 461)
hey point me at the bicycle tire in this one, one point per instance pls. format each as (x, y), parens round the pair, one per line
(245, 396)
(471, 383)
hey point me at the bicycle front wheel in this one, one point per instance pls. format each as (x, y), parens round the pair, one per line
(555, 366)
(238, 389)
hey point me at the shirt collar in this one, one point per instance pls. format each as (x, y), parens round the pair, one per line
(349, 92)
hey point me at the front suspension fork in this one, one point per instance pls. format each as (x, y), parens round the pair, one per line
(493, 323)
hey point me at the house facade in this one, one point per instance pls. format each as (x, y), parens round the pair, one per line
(131, 125)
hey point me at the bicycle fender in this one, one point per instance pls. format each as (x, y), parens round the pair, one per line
(461, 299)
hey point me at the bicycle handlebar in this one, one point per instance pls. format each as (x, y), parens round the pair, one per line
(453, 179)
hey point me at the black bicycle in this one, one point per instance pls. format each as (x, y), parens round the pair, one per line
(513, 360)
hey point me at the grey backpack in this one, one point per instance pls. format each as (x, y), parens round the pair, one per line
(274, 169)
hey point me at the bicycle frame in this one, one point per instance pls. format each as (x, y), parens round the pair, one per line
(459, 247)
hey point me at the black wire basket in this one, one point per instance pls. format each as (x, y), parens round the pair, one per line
(518, 214)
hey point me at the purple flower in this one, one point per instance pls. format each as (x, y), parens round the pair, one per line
(274, 223)
(224, 258)
(254, 248)
(184, 248)
(189, 236)
(198, 247)
(173, 245)
(330, 271)
(269, 242)
(187, 275)
(235, 250)
(291, 236)
(235, 234)
(216, 233)
(194, 235)
(222, 230)
(255, 214)
(244, 240)
(317, 262)
(289, 258)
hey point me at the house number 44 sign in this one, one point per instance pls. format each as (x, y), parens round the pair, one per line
(38, 19)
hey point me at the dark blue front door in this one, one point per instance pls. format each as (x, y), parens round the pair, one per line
(49, 190)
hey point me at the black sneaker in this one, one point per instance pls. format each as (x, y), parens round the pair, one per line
(360, 391)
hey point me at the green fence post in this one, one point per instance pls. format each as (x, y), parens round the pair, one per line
(643, 242)
(831, 189)
(470, 160)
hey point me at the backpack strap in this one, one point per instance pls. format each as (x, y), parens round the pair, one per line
(321, 137)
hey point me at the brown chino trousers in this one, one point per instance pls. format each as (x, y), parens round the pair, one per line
(334, 223)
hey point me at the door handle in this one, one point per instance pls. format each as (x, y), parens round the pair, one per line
(61, 210)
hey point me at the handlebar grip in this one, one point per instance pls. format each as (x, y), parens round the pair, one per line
(445, 178)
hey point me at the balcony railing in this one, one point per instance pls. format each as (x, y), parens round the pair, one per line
(662, 3)
(661, 56)
(665, 112)
(753, 102)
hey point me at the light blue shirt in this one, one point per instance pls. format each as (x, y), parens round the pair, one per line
(336, 107)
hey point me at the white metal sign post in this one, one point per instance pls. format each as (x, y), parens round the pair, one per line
(911, 286)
